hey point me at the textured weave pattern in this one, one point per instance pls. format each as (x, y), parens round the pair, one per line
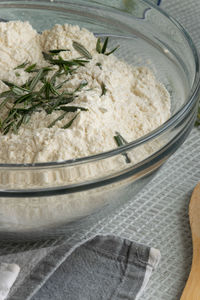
(158, 216)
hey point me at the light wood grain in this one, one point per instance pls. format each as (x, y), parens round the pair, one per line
(192, 288)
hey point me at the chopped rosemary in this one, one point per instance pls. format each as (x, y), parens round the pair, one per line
(120, 141)
(42, 92)
(23, 65)
(98, 46)
(66, 109)
(62, 62)
(82, 50)
(8, 83)
(27, 99)
(103, 88)
(57, 119)
(30, 68)
(57, 51)
(70, 122)
(99, 65)
(102, 49)
(36, 79)
(197, 123)
(112, 51)
(81, 85)
(105, 44)
(72, 108)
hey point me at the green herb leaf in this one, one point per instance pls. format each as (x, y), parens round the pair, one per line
(26, 99)
(102, 49)
(8, 83)
(72, 108)
(30, 68)
(82, 50)
(36, 79)
(58, 86)
(70, 122)
(197, 123)
(57, 119)
(98, 46)
(108, 53)
(57, 51)
(23, 65)
(23, 98)
(4, 102)
(99, 65)
(81, 85)
(103, 88)
(104, 46)
(120, 141)
(47, 56)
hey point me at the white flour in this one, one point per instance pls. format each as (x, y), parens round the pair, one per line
(134, 104)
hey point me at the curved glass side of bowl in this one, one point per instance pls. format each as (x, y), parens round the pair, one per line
(55, 197)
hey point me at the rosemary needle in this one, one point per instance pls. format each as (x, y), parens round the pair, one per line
(82, 50)
(70, 122)
(102, 49)
(21, 66)
(120, 141)
(103, 88)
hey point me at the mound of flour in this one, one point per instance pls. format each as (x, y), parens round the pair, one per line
(134, 104)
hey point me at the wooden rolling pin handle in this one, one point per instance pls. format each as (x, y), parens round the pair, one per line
(192, 288)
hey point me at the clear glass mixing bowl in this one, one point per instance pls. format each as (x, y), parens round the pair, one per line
(40, 200)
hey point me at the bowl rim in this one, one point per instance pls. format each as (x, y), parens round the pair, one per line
(191, 99)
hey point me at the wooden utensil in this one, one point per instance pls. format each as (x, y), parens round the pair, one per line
(192, 288)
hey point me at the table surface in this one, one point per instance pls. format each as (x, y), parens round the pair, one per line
(158, 216)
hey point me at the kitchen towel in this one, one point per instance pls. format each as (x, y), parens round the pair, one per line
(8, 275)
(104, 267)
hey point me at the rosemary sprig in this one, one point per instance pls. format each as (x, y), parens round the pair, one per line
(27, 99)
(47, 98)
(120, 141)
(82, 50)
(102, 48)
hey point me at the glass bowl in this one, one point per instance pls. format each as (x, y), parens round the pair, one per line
(39, 201)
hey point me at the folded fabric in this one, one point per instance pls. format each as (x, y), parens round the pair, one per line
(106, 267)
(8, 275)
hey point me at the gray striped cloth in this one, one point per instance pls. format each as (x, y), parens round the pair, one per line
(105, 267)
